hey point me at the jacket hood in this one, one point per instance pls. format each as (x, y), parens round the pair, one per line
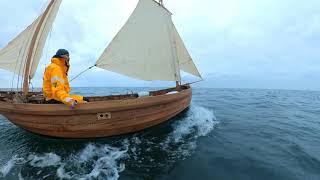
(61, 63)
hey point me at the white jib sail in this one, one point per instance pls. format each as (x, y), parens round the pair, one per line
(143, 48)
(186, 63)
(14, 55)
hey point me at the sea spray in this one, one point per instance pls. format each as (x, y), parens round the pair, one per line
(94, 161)
(15, 160)
(45, 160)
(4, 170)
(177, 145)
(199, 122)
(273, 147)
(107, 161)
(103, 160)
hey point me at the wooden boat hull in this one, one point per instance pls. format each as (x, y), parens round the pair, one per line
(97, 119)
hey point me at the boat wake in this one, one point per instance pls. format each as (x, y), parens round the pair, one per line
(139, 152)
(199, 122)
(94, 161)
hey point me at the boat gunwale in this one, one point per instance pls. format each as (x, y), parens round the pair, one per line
(91, 107)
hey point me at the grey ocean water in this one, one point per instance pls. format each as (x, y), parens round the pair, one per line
(225, 134)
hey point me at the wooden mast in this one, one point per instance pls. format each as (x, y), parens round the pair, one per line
(177, 82)
(175, 55)
(31, 48)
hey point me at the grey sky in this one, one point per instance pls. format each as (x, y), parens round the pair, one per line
(245, 44)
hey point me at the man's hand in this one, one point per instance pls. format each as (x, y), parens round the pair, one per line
(73, 103)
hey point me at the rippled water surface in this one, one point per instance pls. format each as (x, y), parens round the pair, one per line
(225, 134)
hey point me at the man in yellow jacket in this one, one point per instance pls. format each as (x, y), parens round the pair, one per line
(55, 80)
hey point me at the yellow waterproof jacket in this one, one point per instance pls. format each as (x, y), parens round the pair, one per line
(56, 84)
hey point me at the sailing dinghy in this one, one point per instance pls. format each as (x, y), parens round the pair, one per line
(148, 47)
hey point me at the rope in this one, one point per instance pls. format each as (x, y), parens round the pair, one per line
(195, 82)
(30, 83)
(15, 68)
(82, 73)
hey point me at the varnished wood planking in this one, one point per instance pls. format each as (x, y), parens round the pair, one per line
(128, 115)
(92, 118)
(92, 107)
(102, 124)
(102, 133)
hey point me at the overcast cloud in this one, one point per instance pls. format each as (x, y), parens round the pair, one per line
(235, 43)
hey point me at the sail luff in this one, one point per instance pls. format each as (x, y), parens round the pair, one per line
(174, 53)
(34, 63)
(31, 49)
(44, 32)
(186, 63)
(37, 42)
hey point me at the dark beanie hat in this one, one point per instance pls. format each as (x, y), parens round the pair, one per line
(61, 52)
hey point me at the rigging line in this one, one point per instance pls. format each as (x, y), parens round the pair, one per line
(15, 68)
(18, 80)
(42, 10)
(48, 47)
(39, 37)
(30, 83)
(22, 67)
(82, 73)
(43, 7)
(23, 60)
(32, 48)
(195, 82)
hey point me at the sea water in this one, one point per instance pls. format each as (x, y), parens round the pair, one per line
(225, 134)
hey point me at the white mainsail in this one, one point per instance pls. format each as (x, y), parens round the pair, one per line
(13, 56)
(147, 47)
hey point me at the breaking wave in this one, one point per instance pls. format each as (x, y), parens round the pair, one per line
(4, 170)
(94, 161)
(199, 122)
(181, 142)
(106, 161)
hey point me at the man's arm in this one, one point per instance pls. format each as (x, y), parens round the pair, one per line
(58, 88)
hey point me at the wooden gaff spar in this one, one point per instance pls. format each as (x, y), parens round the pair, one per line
(148, 47)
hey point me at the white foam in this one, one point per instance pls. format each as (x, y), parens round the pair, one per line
(62, 174)
(102, 161)
(180, 143)
(87, 153)
(7, 167)
(137, 140)
(103, 158)
(48, 159)
(20, 176)
(200, 122)
(185, 150)
(106, 166)
(108, 163)
(4, 170)
(45, 176)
